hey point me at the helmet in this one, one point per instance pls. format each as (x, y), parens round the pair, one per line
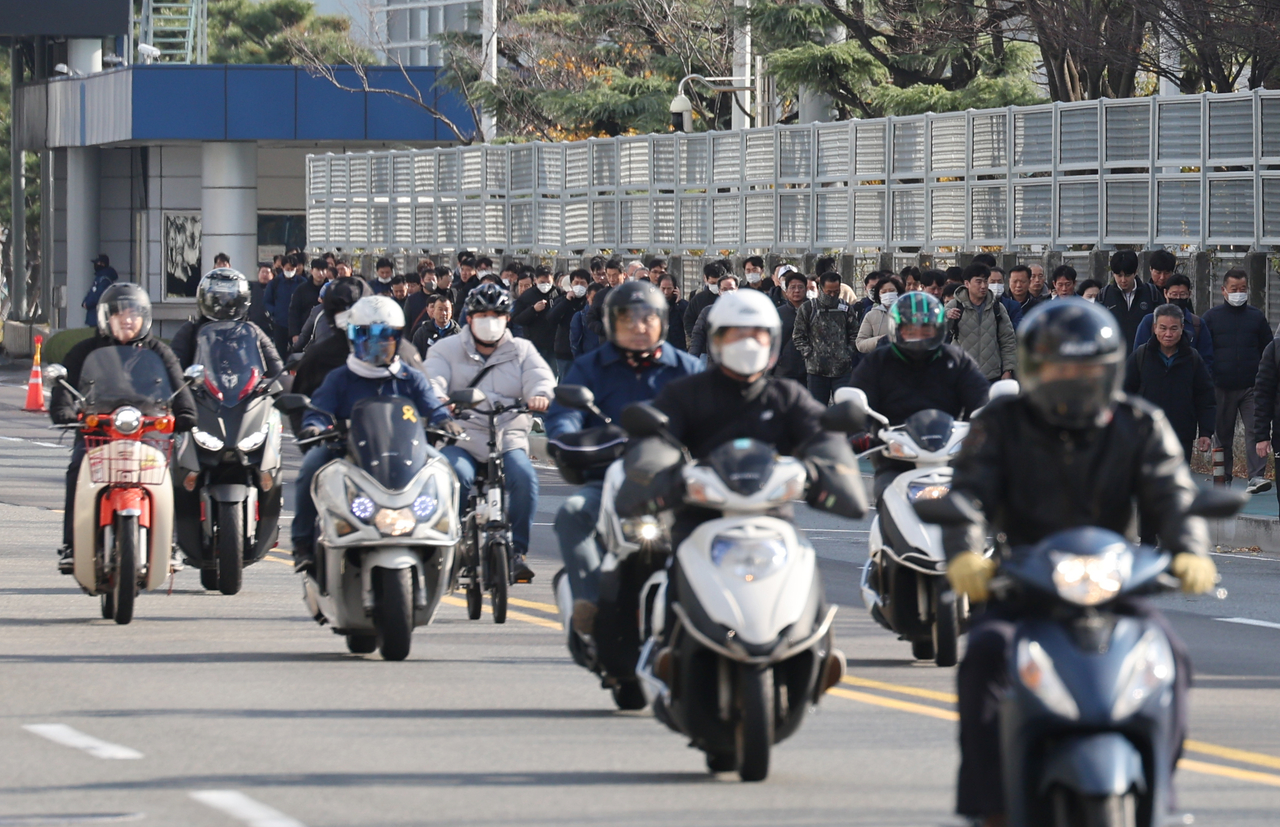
(374, 329)
(340, 296)
(1070, 360)
(633, 297)
(488, 298)
(915, 310)
(223, 294)
(748, 309)
(123, 300)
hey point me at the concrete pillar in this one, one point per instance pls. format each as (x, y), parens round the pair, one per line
(18, 198)
(229, 204)
(82, 226)
(1255, 264)
(1202, 285)
(84, 55)
(1099, 266)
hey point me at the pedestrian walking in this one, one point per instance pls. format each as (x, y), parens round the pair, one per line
(1129, 299)
(826, 335)
(981, 326)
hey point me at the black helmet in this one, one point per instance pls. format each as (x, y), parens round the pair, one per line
(223, 294)
(341, 294)
(488, 298)
(119, 300)
(917, 310)
(631, 296)
(1070, 362)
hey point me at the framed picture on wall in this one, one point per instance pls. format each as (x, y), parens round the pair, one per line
(181, 255)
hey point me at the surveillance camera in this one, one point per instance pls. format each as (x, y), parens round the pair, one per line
(681, 114)
(148, 52)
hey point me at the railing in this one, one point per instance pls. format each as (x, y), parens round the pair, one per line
(1201, 171)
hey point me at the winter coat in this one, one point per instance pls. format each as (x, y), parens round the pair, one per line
(826, 334)
(698, 336)
(1014, 309)
(279, 296)
(1182, 388)
(342, 389)
(518, 373)
(1266, 395)
(258, 313)
(984, 333)
(103, 277)
(428, 334)
(1129, 313)
(677, 333)
(562, 313)
(1240, 335)
(63, 406)
(1193, 331)
(305, 298)
(790, 363)
(875, 326)
(898, 387)
(700, 301)
(581, 338)
(183, 344)
(536, 325)
(616, 384)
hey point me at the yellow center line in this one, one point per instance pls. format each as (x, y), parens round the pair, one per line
(533, 604)
(514, 615)
(894, 703)
(946, 697)
(1232, 754)
(1204, 768)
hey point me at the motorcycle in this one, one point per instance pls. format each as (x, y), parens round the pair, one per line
(230, 489)
(484, 561)
(1087, 722)
(122, 529)
(386, 529)
(740, 645)
(634, 550)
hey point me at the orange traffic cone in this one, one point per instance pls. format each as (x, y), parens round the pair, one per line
(35, 385)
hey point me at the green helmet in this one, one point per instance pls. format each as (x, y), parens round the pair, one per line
(917, 325)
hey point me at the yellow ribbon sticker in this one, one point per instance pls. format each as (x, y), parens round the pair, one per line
(410, 415)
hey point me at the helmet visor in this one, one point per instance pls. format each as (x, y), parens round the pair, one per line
(1072, 394)
(917, 323)
(636, 327)
(125, 319)
(374, 343)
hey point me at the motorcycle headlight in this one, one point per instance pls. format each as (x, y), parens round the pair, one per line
(427, 501)
(749, 558)
(1145, 671)
(127, 420)
(253, 441)
(207, 441)
(927, 490)
(362, 508)
(790, 490)
(395, 521)
(899, 450)
(1037, 673)
(697, 491)
(1088, 580)
(641, 529)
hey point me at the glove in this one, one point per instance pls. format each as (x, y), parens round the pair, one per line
(452, 427)
(310, 432)
(969, 572)
(1197, 573)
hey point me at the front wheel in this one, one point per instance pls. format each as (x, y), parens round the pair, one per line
(124, 584)
(1073, 810)
(230, 529)
(209, 579)
(922, 649)
(946, 625)
(499, 579)
(755, 722)
(393, 611)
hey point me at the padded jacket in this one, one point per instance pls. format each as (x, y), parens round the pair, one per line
(984, 333)
(1240, 335)
(1182, 389)
(63, 408)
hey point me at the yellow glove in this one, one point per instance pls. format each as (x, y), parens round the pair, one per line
(969, 572)
(1197, 573)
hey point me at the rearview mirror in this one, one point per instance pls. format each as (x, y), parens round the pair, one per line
(845, 417)
(194, 374)
(55, 373)
(643, 420)
(577, 397)
(290, 403)
(465, 398)
(1216, 503)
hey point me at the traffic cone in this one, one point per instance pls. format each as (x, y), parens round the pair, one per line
(1219, 466)
(35, 385)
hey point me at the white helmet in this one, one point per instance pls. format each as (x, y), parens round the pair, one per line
(374, 328)
(376, 310)
(747, 309)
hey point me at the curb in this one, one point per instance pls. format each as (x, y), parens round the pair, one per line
(1246, 531)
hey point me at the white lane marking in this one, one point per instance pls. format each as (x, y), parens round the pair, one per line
(33, 442)
(74, 738)
(243, 808)
(835, 531)
(1248, 621)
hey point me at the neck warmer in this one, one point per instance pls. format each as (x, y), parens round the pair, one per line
(367, 371)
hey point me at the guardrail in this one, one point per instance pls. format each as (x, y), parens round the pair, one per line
(1188, 170)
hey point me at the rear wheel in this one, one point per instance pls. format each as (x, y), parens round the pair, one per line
(107, 603)
(475, 599)
(230, 531)
(499, 578)
(125, 583)
(755, 722)
(393, 611)
(1072, 810)
(922, 649)
(209, 579)
(946, 624)
(721, 762)
(361, 644)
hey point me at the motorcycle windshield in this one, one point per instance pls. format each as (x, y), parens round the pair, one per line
(116, 376)
(931, 430)
(232, 360)
(387, 441)
(744, 465)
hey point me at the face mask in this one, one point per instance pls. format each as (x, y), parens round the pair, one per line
(506, 282)
(753, 278)
(996, 289)
(428, 287)
(545, 286)
(290, 273)
(888, 299)
(579, 290)
(714, 288)
(1185, 304)
(387, 280)
(340, 319)
(1237, 299)
(811, 294)
(489, 328)
(745, 357)
(1091, 299)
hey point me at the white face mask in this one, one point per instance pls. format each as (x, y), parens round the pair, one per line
(488, 328)
(290, 273)
(340, 319)
(753, 277)
(579, 290)
(997, 289)
(545, 286)
(887, 299)
(506, 282)
(1091, 299)
(1237, 299)
(745, 357)
(714, 288)
(811, 294)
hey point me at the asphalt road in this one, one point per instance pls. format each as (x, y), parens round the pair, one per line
(213, 710)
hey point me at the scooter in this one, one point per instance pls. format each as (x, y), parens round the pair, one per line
(634, 550)
(123, 520)
(1087, 722)
(740, 644)
(387, 527)
(229, 487)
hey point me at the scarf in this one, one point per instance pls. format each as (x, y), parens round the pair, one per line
(367, 371)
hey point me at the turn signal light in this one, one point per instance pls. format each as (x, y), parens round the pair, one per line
(92, 421)
(164, 424)
(190, 482)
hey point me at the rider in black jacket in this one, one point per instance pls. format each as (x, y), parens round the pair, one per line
(124, 319)
(1070, 451)
(223, 295)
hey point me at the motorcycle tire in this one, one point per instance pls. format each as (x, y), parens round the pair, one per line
(755, 722)
(107, 604)
(1073, 810)
(499, 579)
(475, 601)
(629, 696)
(946, 625)
(362, 644)
(230, 530)
(721, 762)
(124, 584)
(393, 611)
(209, 579)
(922, 649)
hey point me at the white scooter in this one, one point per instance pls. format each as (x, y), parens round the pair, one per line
(903, 581)
(387, 528)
